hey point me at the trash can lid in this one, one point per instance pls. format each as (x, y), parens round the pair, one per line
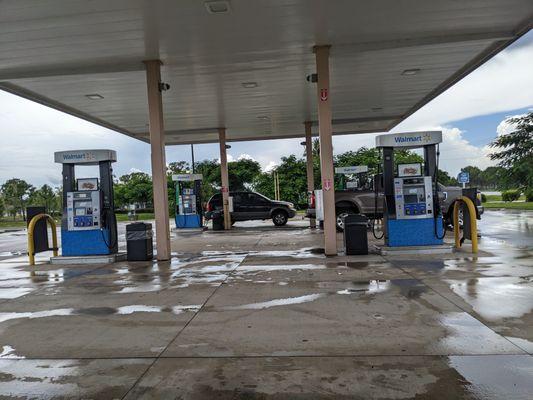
(355, 219)
(139, 226)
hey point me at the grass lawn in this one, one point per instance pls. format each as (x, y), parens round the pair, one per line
(498, 197)
(142, 217)
(510, 205)
(9, 223)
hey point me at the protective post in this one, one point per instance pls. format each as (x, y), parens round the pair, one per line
(473, 222)
(31, 227)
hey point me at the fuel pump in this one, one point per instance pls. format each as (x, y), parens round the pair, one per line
(411, 213)
(88, 225)
(189, 211)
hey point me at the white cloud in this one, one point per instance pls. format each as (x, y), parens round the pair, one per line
(245, 156)
(506, 126)
(456, 152)
(270, 166)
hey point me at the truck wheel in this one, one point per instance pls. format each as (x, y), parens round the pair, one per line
(339, 221)
(279, 218)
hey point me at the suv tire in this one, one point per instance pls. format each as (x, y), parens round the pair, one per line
(339, 218)
(279, 217)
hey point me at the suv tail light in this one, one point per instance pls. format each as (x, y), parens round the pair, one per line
(209, 207)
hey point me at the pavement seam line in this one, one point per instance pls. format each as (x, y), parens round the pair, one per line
(159, 356)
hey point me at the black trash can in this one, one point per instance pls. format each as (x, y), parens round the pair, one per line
(40, 232)
(218, 220)
(139, 241)
(355, 234)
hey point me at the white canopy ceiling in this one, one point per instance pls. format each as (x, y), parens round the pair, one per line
(57, 52)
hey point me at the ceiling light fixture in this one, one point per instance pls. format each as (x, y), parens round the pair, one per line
(412, 71)
(263, 117)
(94, 96)
(249, 85)
(218, 7)
(376, 109)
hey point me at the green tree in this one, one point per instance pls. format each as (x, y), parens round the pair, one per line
(16, 193)
(210, 170)
(514, 152)
(493, 178)
(292, 181)
(2, 207)
(134, 188)
(241, 173)
(47, 197)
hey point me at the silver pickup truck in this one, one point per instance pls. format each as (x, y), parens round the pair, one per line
(362, 201)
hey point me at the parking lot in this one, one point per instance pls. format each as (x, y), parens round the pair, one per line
(260, 313)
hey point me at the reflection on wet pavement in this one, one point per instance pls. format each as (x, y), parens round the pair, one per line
(496, 298)
(495, 378)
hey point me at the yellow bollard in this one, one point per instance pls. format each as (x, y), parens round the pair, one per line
(31, 227)
(473, 225)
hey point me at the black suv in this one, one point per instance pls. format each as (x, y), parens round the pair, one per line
(253, 206)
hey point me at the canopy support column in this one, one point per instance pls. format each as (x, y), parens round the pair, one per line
(309, 166)
(224, 177)
(159, 166)
(326, 149)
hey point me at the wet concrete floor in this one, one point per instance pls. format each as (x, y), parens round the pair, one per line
(260, 313)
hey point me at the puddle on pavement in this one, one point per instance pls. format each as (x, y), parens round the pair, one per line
(307, 252)
(275, 303)
(70, 379)
(495, 377)
(9, 352)
(466, 335)
(99, 311)
(496, 298)
(358, 288)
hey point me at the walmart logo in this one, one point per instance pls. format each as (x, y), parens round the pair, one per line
(424, 138)
(408, 139)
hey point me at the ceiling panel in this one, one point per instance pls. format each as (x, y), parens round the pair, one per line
(57, 52)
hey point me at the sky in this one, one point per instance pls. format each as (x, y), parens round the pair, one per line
(470, 114)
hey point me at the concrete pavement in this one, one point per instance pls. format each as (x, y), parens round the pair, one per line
(260, 313)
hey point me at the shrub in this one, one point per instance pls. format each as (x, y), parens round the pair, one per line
(529, 194)
(511, 195)
(483, 198)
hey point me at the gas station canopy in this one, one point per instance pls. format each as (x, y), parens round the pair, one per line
(242, 64)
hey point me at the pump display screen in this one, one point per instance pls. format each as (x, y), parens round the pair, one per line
(410, 198)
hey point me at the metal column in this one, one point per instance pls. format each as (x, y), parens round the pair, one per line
(108, 206)
(326, 148)
(159, 166)
(309, 166)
